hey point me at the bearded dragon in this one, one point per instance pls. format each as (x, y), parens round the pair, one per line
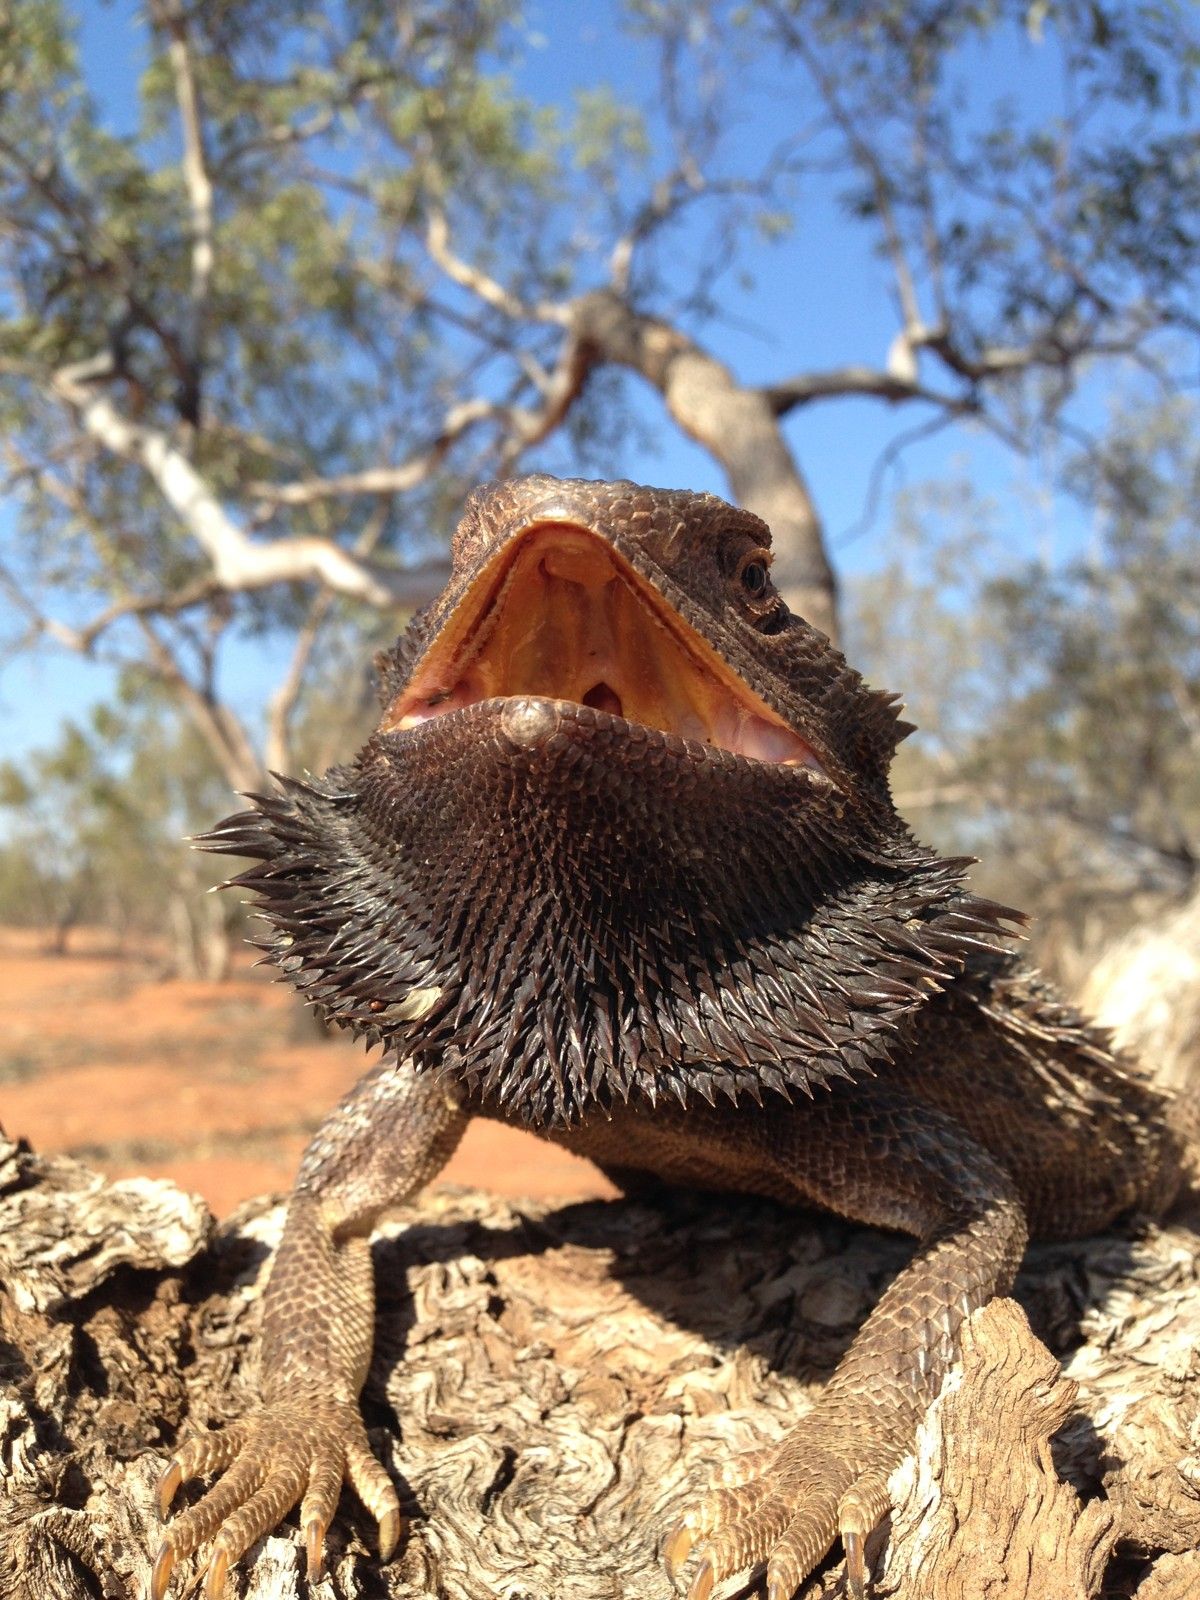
(620, 864)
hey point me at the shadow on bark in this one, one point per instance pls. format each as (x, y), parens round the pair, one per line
(550, 1385)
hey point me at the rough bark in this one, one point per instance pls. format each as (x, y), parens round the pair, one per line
(551, 1383)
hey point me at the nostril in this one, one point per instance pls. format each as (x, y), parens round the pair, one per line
(603, 698)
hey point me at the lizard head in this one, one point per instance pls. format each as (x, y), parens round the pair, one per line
(651, 606)
(624, 828)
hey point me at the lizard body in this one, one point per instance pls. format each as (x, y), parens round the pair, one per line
(621, 863)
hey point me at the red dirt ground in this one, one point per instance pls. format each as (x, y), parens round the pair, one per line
(216, 1086)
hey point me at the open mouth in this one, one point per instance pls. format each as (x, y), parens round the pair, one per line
(561, 615)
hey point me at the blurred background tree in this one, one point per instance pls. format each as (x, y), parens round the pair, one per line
(254, 350)
(1060, 705)
(98, 823)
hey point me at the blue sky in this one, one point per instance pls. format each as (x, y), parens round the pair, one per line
(819, 298)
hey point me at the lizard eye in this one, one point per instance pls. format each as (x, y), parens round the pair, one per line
(753, 575)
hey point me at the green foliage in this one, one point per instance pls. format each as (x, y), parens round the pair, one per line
(1106, 711)
(325, 135)
(605, 133)
(1059, 704)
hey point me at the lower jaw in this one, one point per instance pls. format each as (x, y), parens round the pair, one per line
(529, 721)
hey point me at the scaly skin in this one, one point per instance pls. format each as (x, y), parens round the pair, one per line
(547, 887)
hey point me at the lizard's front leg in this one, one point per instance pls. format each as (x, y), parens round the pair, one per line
(390, 1135)
(874, 1157)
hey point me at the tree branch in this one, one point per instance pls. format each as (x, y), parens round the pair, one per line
(169, 15)
(873, 382)
(480, 283)
(522, 427)
(83, 639)
(282, 704)
(238, 562)
(667, 198)
(883, 464)
(219, 726)
(797, 39)
(382, 480)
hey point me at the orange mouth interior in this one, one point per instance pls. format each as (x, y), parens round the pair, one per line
(560, 614)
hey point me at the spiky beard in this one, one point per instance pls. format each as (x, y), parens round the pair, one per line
(600, 915)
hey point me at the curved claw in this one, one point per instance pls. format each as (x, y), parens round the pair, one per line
(389, 1533)
(677, 1546)
(215, 1574)
(314, 1549)
(860, 1510)
(168, 1486)
(160, 1578)
(856, 1569)
(702, 1583)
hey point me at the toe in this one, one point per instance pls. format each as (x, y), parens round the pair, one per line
(720, 1510)
(202, 1453)
(374, 1488)
(316, 1512)
(716, 1509)
(743, 1544)
(199, 1522)
(860, 1511)
(254, 1516)
(800, 1546)
(261, 1512)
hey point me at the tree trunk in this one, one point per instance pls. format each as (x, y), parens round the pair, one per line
(551, 1385)
(66, 919)
(216, 946)
(183, 936)
(740, 428)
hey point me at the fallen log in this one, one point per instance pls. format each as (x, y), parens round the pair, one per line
(550, 1384)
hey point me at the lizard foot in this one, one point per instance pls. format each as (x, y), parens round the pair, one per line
(783, 1511)
(295, 1451)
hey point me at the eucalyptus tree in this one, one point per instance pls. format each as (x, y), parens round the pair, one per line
(253, 348)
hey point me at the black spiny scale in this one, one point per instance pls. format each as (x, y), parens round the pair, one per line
(598, 911)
